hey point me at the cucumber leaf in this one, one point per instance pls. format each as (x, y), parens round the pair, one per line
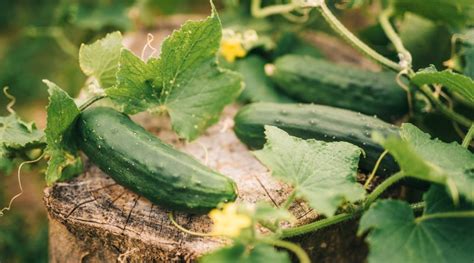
(322, 173)
(16, 134)
(100, 59)
(16, 138)
(455, 13)
(455, 82)
(238, 253)
(185, 82)
(397, 236)
(64, 161)
(433, 160)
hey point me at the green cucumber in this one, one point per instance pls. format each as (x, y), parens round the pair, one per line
(258, 86)
(319, 81)
(317, 122)
(141, 162)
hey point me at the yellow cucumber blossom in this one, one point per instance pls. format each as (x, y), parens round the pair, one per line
(236, 44)
(232, 49)
(228, 222)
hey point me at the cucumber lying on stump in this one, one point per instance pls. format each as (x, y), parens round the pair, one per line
(141, 162)
(317, 122)
(320, 81)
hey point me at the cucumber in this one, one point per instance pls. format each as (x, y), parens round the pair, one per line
(258, 86)
(319, 81)
(141, 162)
(317, 122)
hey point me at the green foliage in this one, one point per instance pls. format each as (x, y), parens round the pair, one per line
(433, 160)
(452, 81)
(17, 134)
(321, 173)
(22, 242)
(100, 59)
(397, 236)
(62, 112)
(455, 13)
(239, 253)
(185, 81)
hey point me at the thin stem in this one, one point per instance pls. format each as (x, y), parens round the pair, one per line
(12, 100)
(170, 216)
(289, 200)
(455, 214)
(259, 12)
(297, 250)
(444, 109)
(377, 164)
(300, 230)
(383, 186)
(19, 183)
(467, 139)
(353, 40)
(404, 54)
(90, 101)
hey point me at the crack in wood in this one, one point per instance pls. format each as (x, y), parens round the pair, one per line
(79, 205)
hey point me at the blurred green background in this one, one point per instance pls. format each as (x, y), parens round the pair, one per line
(39, 39)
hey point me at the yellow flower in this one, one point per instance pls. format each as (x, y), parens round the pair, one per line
(228, 222)
(232, 49)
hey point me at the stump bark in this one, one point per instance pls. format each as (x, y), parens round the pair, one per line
(93, 219)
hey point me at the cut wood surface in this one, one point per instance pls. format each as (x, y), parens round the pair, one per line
(93, 219)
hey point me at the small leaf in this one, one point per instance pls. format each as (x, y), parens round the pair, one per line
(100, 59)
(433, 160)
(62, 112)
(396, 236)
(322, 173)
(238, 253)
(185, 81)
(15, 133)
(453, 81)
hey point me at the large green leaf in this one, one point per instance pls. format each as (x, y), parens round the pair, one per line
(322, 173)
(397, 236)
(433, 160)
(100, 59)
(453, 81)
(62, 112)
(455, 13)
(185, 81)
(238, 253)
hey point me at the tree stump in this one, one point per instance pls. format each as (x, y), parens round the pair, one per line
(93, 219)
(103, 220)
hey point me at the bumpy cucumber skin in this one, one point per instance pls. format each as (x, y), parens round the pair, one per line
(318, 122)
(319, 81)
(141, 162)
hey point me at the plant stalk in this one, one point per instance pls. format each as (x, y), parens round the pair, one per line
(90, 101)
(455, 214)
(314, 226)
(297, 250)
(468, 138)
(383, 186)
(340, 29)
